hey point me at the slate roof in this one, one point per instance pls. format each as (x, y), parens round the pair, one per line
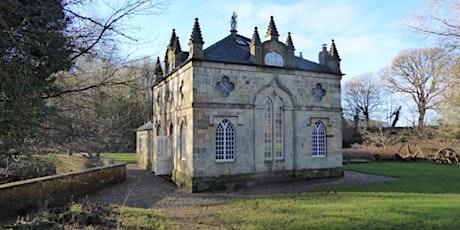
(146, 126)
(235, 49)
(232, 49)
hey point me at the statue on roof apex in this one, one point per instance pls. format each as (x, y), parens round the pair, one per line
(233, 22)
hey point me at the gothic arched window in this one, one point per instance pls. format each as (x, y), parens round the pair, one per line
(273, 129)
(279, 129)
(319, 144)
(268, 128)
(225, 142)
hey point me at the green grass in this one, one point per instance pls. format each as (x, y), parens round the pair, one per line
(138, 218)
(129, 158)
(415, 177)
(88, 216)
(425, 196)
(343, 210)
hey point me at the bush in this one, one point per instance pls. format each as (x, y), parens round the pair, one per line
(25, 167)
(75, 217)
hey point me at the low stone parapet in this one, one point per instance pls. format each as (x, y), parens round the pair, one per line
(22, 196)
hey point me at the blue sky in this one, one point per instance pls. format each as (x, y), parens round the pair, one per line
(368, 33)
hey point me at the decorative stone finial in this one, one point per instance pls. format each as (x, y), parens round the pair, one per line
(158, 72)
(196, 36)
(289, 43)
(255, 37)
(172, 40)
(158, 69)
(333, 52)
(334, 59)
(176, 48)
(272, 32)
(196, 42)
(233, 23)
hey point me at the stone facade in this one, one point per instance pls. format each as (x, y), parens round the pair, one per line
(144, 146)
(243, 112)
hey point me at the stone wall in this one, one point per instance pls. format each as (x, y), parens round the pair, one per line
(231, 182)
(191, 97)
(22, 196)
(244, 107)
(144, 149)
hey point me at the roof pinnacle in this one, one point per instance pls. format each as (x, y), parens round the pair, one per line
(172, 40)
(289, 42)
(255, 37)
(333, 52)
(196, 36)
(176, 47)
(158, 70)
(272, 32)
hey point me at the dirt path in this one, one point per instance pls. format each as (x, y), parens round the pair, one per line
(145, 190)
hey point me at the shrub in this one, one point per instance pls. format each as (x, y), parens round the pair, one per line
(25, 167)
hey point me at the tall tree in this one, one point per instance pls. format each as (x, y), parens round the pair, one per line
(102, 118)
(420, 74)
(450, 105)
(39, 41)
(362, 97)
(439, 20)
(33, 46)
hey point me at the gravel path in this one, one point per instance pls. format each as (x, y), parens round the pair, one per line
(145, 190)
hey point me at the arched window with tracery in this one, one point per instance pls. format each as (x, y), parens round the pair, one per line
(268, 127)
(225, 142)
(273, 129)
(319, 144)
(279, 129)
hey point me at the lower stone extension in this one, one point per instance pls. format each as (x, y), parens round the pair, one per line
(230, 182)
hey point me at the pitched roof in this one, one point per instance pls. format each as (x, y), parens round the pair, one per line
(232, 49)
(235, 49)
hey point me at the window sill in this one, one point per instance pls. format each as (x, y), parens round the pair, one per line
(276, 159)
(225, 161)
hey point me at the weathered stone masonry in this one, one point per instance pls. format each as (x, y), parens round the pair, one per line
(242, 112)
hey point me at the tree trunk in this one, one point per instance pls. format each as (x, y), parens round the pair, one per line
(421, 117)
(356, 120)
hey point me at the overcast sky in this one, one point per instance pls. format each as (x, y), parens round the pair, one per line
(368, 33)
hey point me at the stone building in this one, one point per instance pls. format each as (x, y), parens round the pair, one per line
(245, 111)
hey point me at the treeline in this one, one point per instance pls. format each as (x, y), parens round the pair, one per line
(63, 84)
(419, 88)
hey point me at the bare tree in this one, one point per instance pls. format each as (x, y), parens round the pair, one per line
(439, 20)
(102, 118)
(41, 41)
(362, 97)
(420, 74)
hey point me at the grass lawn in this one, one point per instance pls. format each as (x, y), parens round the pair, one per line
(129, 158)
(335, 210)
(414, 177)
(426, 196)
